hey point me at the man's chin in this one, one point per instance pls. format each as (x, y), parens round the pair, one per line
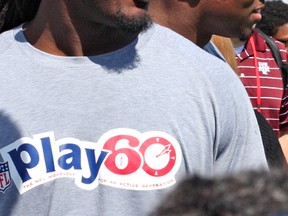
(133, 25)
(245, 35)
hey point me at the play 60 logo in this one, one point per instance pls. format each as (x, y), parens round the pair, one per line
(122, 158)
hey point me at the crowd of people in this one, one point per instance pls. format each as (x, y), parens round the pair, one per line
(143, 107)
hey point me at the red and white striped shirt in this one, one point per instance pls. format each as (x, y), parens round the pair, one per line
(265, 89)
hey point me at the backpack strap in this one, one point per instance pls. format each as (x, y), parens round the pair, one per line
(277, 56)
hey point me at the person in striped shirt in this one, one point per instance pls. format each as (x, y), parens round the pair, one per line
(261, 76)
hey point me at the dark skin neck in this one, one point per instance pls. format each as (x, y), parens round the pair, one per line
(63, 31)
(182, 17)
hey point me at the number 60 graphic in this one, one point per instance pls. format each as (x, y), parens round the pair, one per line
(155, 155)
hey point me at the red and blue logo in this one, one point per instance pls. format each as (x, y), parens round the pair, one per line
(5, 181)
(122, 158)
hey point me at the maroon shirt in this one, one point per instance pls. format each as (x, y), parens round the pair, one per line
(273, 101)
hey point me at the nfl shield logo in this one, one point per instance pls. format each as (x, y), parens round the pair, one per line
(5, 180)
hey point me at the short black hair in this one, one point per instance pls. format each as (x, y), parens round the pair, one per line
(15, 12)
(274, 15)
(247, 193)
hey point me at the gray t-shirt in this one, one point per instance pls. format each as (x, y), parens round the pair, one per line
(112, 134)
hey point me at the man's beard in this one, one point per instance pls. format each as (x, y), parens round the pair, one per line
(244, 37)
(133, 25)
